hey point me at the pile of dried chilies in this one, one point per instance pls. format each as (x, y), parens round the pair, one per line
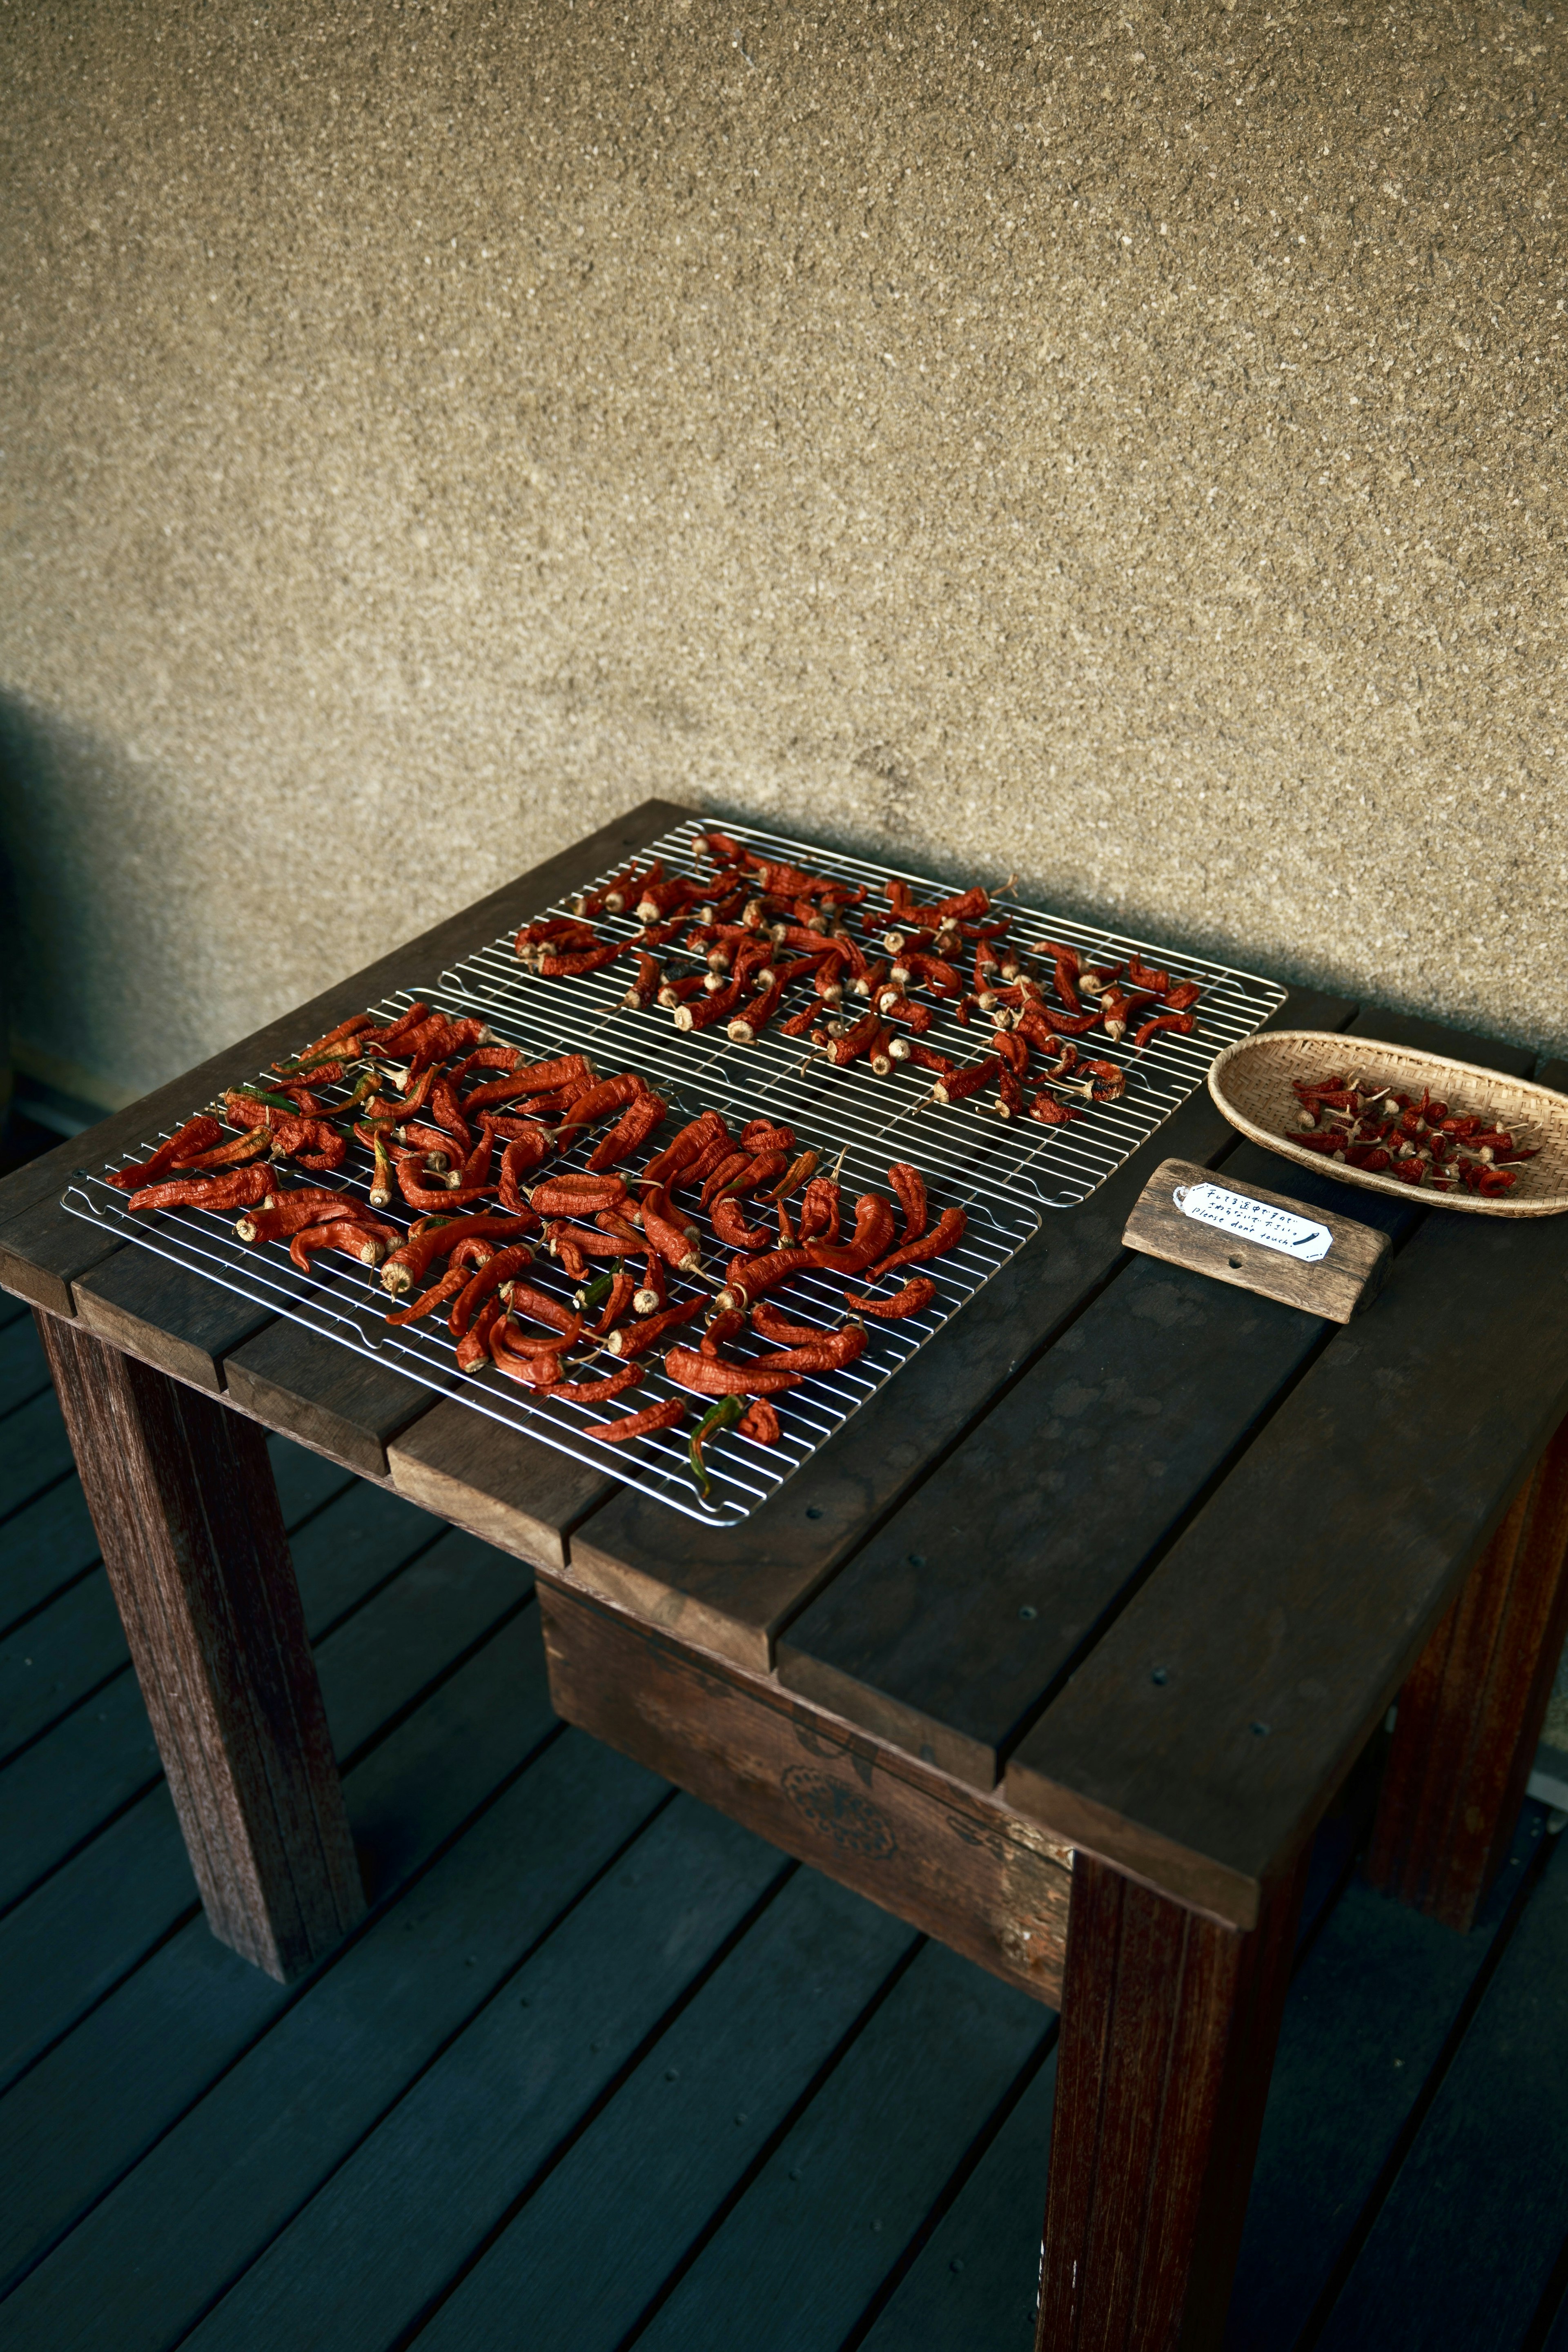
(461, 1125)
(767, 933)
(1368, 1124)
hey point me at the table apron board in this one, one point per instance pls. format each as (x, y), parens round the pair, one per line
(961, 1867)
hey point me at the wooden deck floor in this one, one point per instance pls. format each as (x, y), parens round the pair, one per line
(600, 2069)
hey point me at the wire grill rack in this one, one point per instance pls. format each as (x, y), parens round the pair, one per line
(1003, 1174)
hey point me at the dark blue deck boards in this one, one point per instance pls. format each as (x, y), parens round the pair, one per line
(600, 2069)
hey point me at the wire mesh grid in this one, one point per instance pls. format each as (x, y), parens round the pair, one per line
(963, 1145)
(1002, 1175)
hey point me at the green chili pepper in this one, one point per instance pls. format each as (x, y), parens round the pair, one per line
(719, 1416)
(597, 1291)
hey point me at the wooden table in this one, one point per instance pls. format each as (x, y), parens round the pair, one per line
(1060, 1650)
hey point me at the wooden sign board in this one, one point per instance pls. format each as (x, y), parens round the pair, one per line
(1260, 1240)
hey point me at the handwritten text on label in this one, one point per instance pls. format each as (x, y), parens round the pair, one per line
(1255, 1220)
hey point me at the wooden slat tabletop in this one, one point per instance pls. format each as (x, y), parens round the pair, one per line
(1113, 1517)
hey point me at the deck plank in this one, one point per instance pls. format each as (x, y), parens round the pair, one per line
(45, 1546)
(385, 2234)
(973, 2286)
(1368, 2015)
(85, 2115)
(603, 2232)
(795, 2262)
(34, 1452)
(1493, 2149)
(23, 1372)
(50, 1663)
(85, 1928)
(239, 2164)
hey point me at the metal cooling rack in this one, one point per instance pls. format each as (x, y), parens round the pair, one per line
(964, 1147)
(1004, 1173)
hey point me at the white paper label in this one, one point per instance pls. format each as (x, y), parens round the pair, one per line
(1255, 1220)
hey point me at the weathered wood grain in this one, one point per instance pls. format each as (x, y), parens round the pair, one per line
(922, 1846)
(1168, 2029)
(731, 1589)
(175, 1320)
(520, 1495)
(1336, 1287)
(949, 1630)
(1197, 1742)
(1471, 1713)
(182, 1496)
(43, 1249)
(326, 1396)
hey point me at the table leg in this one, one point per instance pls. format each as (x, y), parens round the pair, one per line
(182, 1499)
(1169, 2024)
(1471, 1713)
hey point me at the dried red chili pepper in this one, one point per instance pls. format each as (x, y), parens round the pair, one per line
(623, 1290)
(1108, 1080)
(867, 1033)
(572, 1195)
(873, 1232)
(685, 1148)
(587, 1240)
(542, 1349)
(708, 1376)
(820, 1206)
(828, 1351)
(748, 1279)
(573, 966)
(732, 1164)
(730, 1224)
(241, 1188)
(798, 1022)
(456, 1279)
(351, 1027)
(407, 1266)
(760, 1423)
(674, 1244)
(1177, 1000)
(354, 1235)
(640, 1424)
(609, 1095)
(961, 1084)
(1049, 1112)
(636, 1339)
(196, 1135)
(597, 1392)
(504, 1266)
(305, 1205)
(654, 1289)
(395, 1032)
(420, 1195)
(1143, 975)
(772, 1325)
(916, 1294)
(724, 1327)
(1182, 1024)
(537, 1078)
(523, 1155)
(234, 1154)
(945, 1235)
(911, 1187)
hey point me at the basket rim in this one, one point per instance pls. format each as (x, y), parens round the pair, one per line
(1262, 1040)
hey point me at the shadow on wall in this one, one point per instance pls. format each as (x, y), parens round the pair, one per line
(86, 879)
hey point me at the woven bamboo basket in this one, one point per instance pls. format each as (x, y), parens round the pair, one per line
(1251, 1084)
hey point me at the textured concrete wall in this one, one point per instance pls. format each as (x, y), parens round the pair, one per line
(1122, 443)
